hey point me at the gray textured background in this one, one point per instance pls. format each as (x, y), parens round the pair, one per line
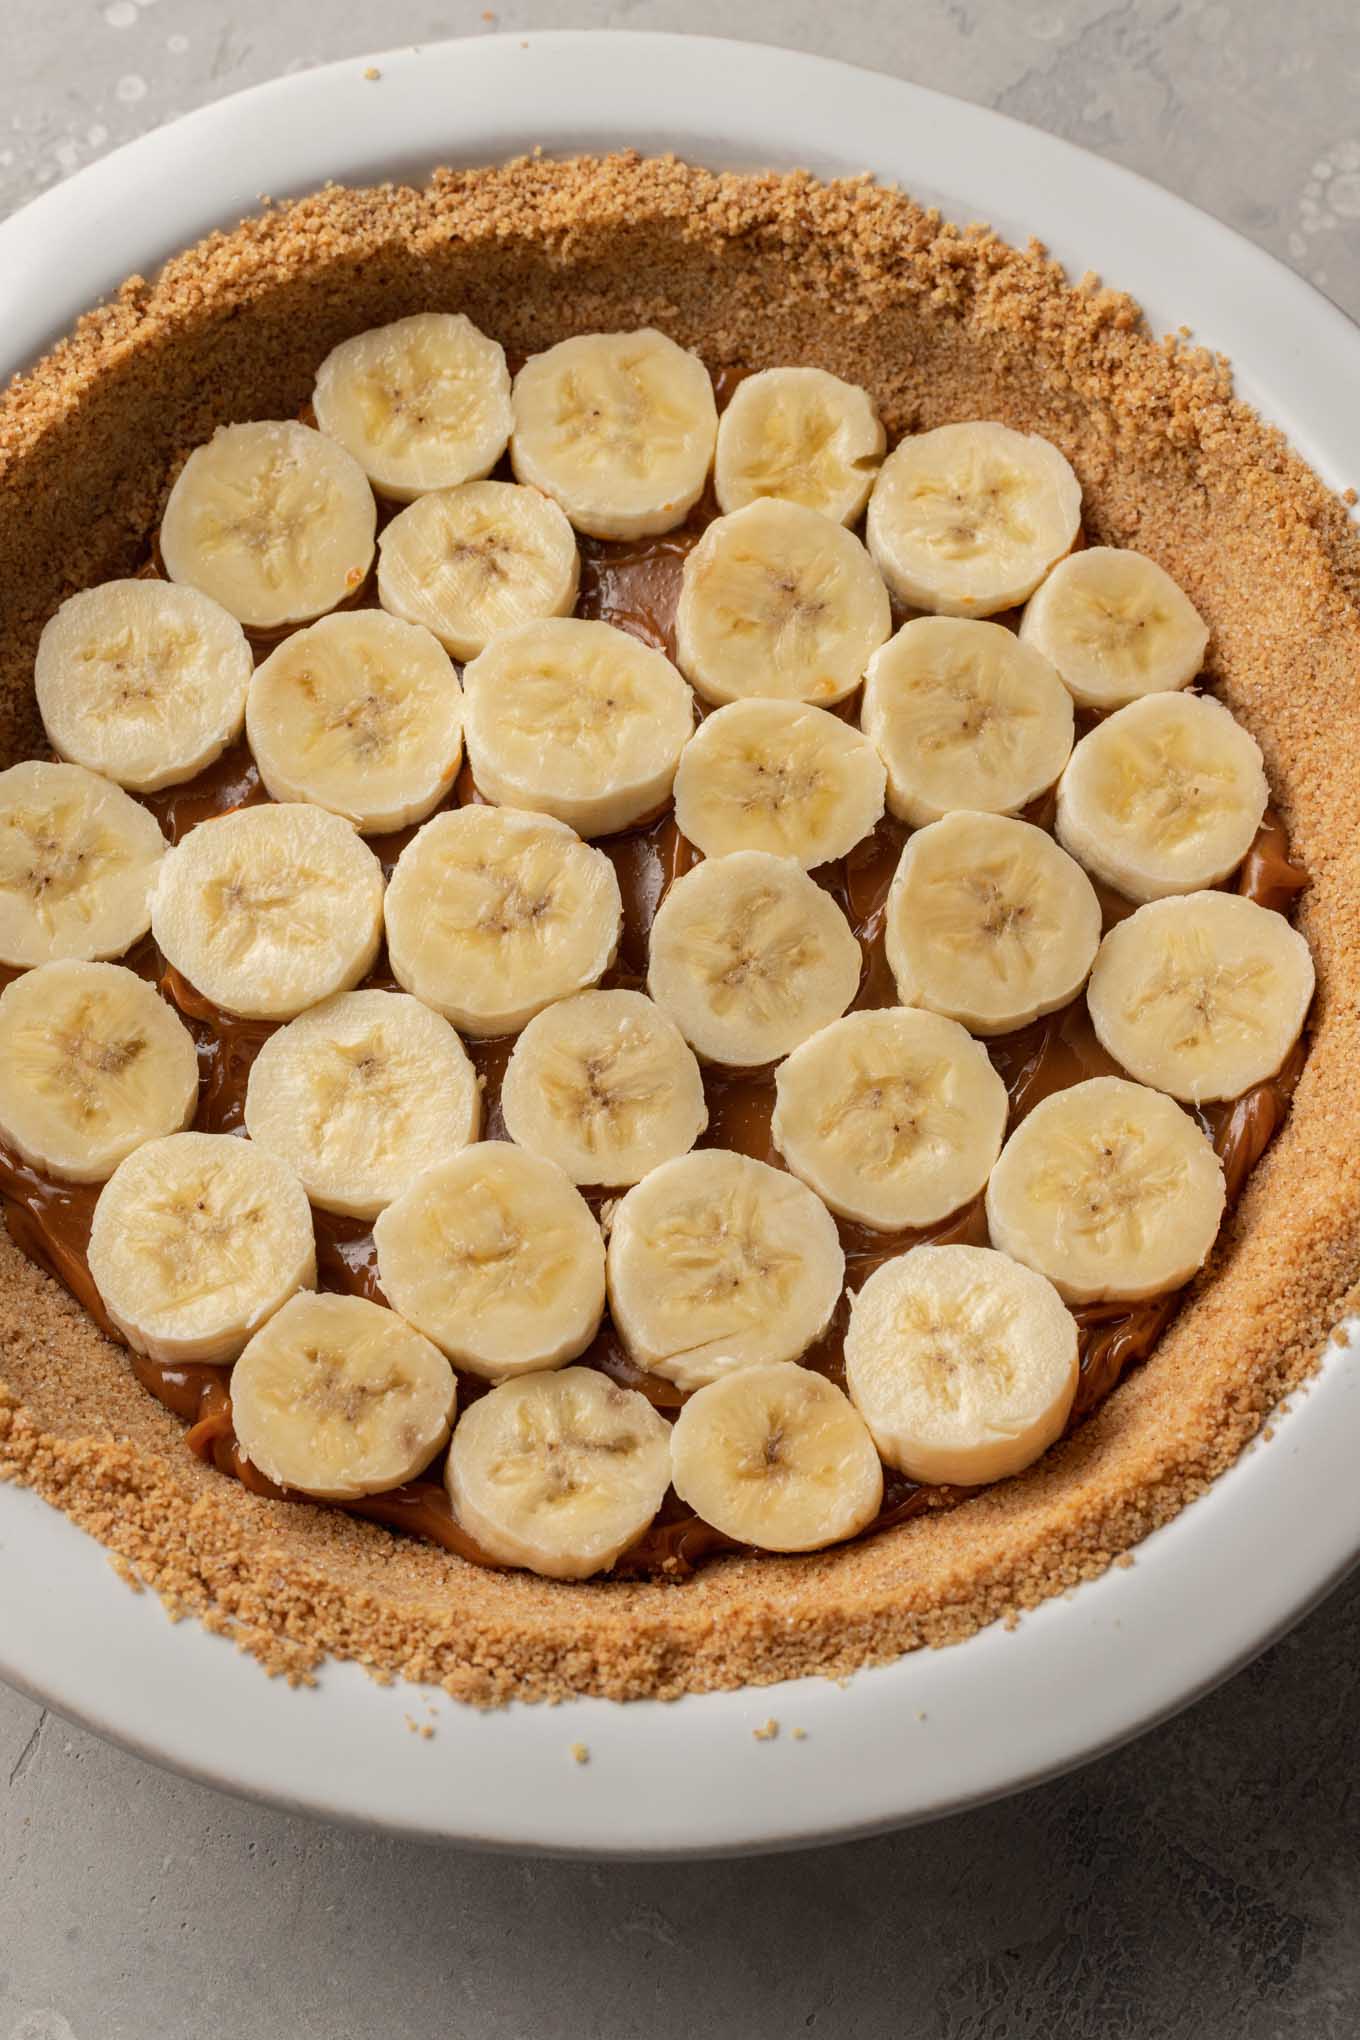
(1206, 1882)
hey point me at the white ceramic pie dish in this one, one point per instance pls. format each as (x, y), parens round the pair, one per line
(937, 1730)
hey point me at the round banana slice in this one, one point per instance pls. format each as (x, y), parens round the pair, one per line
(493, 914)
(338, 1397)
(496, 1256)
(778, 601)
(989, 922)
(964, 716)
(142, 681)
(421, 404)
(92, 1063)
(777, 1457)
(360, 1095)
(618, 428)
(361, 714)
(578, 720)
(468, 563)
(78, 863)
(801, 435)
(603, 1085)
(270, 909)
(718, 1262)
(197, 1239)
(1162, 797)
(1110, 1190)
(894, 1117)
(274, 521)
(962, 1363)
(967, 519)
(781, 777)
(1202, 996)
(559, 1473)
(749, 956)
(1116, 626)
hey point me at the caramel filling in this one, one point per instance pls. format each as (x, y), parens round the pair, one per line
(636, 586)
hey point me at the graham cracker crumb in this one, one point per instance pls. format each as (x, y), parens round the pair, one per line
(372, 72)
(580, 1753)
(1348, 497)
(939, 324)
(798, 1734)
(1124, 1560)
(767, 1731)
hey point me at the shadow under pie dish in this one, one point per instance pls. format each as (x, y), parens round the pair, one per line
(1000, 338)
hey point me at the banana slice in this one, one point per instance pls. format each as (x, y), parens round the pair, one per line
(781, 777)
(578, 720)
(1162, 797)
(778, 601)
(495, 1255)
(603, 1085)
(989, 922)
(493, 914)
(197, 1239)
(777, 1457)
(274, 521)
(361, 714)
(718, 1262)
(78, 863)
(1201, 996)
(338, 1397)
(421, 404)
(964, 716)
(749, 956)
(92, 1063)
(618, 428)
(962, 1363)
(270, 909)
(1116, 626)
(142, 681)
(894, 1117)
(967, 519)
(471, 562)
(361, 1094)
(559, 1473)
(801, 435)
(1110, 1190)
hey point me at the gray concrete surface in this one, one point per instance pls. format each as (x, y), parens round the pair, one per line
(1202, 1885)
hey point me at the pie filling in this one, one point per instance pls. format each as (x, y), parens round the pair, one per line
(637, 585)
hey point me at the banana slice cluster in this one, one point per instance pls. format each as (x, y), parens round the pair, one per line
(721, 1272)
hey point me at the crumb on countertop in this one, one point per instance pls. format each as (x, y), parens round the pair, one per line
(767, 1731)
(580, 1753)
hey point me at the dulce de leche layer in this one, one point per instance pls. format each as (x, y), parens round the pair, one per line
(635, 587)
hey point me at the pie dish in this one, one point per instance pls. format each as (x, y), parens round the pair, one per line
(1128, 1458)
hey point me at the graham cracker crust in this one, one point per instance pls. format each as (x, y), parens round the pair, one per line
(940, 324)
